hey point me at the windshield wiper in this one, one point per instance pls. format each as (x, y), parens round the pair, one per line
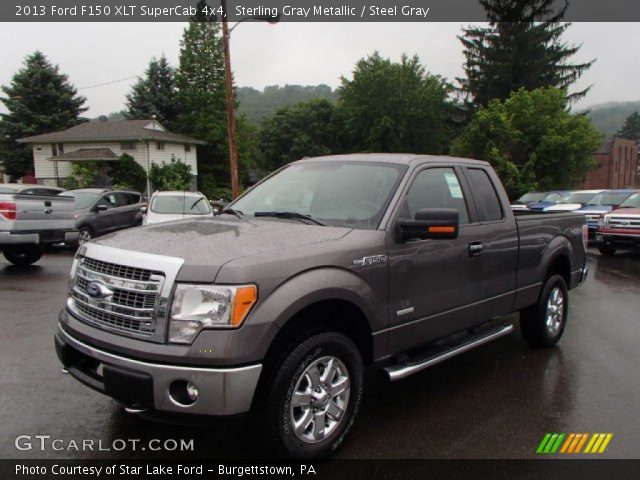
(296, 215)
(231, 211)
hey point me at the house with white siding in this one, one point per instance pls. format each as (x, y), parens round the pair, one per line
(147, 141)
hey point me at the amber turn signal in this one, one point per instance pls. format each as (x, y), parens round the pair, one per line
(244, 299)
(442, 229)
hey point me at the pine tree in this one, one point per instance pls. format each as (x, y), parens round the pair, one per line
(155, 94)
(201, 93)
(39, 99)
(521, 48)
(631, 127)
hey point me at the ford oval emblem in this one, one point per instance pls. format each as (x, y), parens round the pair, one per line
(98, 290)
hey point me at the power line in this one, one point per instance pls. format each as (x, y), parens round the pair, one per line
(109, 83)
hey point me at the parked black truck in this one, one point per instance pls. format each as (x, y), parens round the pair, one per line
(327, 266)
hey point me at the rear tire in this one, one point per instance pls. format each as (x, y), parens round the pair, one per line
(314, 397)
(543, 324)
(22, 256)
(607, 251)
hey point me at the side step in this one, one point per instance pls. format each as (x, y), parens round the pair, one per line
(432, 357)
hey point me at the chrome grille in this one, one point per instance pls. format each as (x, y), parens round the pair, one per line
(120, 271)
(624, 222)
(127, 299)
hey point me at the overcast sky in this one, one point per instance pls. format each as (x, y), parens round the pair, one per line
(295, 53)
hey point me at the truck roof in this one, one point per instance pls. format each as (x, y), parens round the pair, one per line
(398, 158)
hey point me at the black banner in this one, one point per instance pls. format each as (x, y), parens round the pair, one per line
(330, 469)
(294, 11)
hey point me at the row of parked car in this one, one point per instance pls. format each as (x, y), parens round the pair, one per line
(613, 216)
(32, 216)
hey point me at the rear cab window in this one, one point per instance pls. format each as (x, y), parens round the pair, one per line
(486, 197)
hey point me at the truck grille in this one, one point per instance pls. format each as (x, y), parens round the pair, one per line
(624, 222)
(116, 297)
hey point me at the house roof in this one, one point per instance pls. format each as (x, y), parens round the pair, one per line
(121, 130)
(86, 154)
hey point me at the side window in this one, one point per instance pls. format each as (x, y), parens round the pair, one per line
(437, 188)
(485, 195)
(123, 199)
(109, 200)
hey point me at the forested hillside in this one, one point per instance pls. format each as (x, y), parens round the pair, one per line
(609, 117)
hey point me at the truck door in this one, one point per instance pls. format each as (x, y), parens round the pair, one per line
(498, 252)
(433, 283)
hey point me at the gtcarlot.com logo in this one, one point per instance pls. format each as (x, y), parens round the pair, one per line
(574, 443)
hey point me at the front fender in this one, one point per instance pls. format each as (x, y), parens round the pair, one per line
(313, 286)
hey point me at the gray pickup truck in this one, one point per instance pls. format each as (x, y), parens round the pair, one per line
(328, 266)
(32, 216)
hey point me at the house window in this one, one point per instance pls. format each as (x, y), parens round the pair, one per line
(160, 145)
(60, 148)
(187, 148)
(54, 149)
(127, 145)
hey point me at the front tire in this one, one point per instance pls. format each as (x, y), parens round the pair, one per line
(314, 397)
(22, 256)
(542, 324)
(85, 234)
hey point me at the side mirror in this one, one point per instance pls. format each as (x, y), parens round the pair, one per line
(101, 208)
(429, 223)
(143, 209)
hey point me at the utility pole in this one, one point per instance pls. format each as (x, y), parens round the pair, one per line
(231, 119)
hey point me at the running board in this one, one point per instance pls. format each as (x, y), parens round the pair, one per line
(423, 361)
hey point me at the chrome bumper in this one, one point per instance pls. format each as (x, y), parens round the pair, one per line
(222, 391)
(31, 238)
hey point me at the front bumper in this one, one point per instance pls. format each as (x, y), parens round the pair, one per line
(618, 239)
(222, 391)
(45, 237)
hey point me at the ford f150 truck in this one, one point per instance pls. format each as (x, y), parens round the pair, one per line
(620, 229)
(32, 216)
(327, 266)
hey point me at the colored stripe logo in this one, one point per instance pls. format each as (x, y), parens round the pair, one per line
(574, 443)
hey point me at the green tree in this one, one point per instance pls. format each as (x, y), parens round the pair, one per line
(305, 129)
(127, 173)
(395, 107)
(631, 127)
(155, 94)
(39, 99)
(532, 141)
(170, 176)
(201, 95)
(520, 48)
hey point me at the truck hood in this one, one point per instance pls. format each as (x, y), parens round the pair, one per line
(599, 209)
(624, 212)
(212, 242)
(564, 207)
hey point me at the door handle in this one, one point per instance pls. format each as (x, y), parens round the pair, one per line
(475, 249)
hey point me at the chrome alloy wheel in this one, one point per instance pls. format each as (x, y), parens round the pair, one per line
(320, 399)
(555, 312)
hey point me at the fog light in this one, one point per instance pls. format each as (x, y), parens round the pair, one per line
(192, 391)
(183, 393)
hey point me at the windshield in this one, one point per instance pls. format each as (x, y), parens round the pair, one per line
(83, 199)
(180, 204)
(531, 197)
(578, 197)
(608, 198)
(552, 198)
(632, 202)
(336, 193)
(8, 188)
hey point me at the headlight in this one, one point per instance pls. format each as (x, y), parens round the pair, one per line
(201, 306)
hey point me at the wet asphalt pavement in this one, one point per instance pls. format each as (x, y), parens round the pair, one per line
(495, 402)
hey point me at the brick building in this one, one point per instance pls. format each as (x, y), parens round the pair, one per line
(617, 165)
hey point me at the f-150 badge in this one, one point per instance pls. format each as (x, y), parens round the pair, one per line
(372, 260)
